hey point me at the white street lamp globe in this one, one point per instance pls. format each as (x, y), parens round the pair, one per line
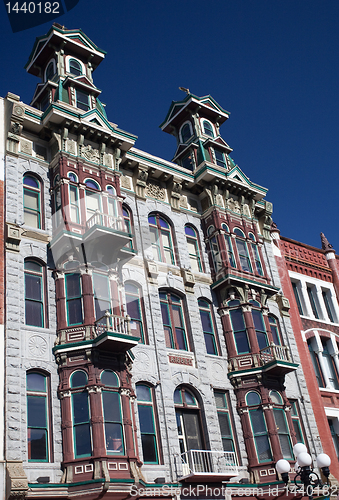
(282, 466)
(323, 460)
(299, 448)
(304, 459)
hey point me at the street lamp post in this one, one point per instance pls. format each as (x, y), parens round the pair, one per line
(304, 469)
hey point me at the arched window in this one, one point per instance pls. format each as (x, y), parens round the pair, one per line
(73, 298)
(187, 412)
(193, 248)
(256, 255)
(239, 331)
(229, 247)
(75, 68)
(275, 329)
(49, 71)
(259, 428)
(186, 132)
(38, 417)
(161, 239)
(260, 329)
(93, 199)
(112, 412)
(147, 421)
(135, 309)
(74, 197)
(32, 201)
(276, 397)
(208, 326)
(128, 223)
(208, 128)
(80, 415)
(173, 321)
(244, 258)
(102, 292)
(34, 293)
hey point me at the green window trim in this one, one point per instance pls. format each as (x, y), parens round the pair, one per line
(102, 294)
(257, 261)
(161, 233)
(297, 298)
(147, 421)
(38, 426)
(260, 329)
(243, 254)
(295, 415)
(260, 435)
(173, 321)
(74, 204)
(208, 327)
(73, 296)
(135, 310)
(113, 428)
(82, 439)
(283, 433)
(32, 201)
(225, 421)
(34, 293)
(239, 331)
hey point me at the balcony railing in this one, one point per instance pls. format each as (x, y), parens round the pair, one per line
(275, 353)
(266, 356)
(105, 220)
(209, 463)
(113, 323)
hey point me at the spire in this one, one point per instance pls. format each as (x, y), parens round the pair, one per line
(325, 244)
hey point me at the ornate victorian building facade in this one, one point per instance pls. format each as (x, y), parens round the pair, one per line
(148, 345)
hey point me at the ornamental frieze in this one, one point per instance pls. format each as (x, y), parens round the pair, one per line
(155, 191)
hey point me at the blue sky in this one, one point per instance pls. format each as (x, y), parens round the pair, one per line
(272, 64)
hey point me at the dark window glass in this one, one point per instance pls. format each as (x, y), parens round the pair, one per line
(220, 158)
(82, 100)
(224, 421)
(78, 379)
(50, 71)
(257, 259)
(327, 305)
(245, 262)
(75, 67)
(34, 294)
(310, 293)
(81, 425)
(161, 240)
(37, 417)
(208, 327)
(259, 328)
(275, 330)
(113, 422)
(109, 379)
(297, 298)
(73, 299)
(185, 133)
(208, 129)
(260, 435)
(316, 366)
(239, 331)
(193, 249)
(32, 201)
(173, 321)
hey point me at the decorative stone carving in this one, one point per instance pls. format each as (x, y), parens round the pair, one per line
(142, 361)
(71, 147)
(16, 128)
(125, 182)
(284, 305)
(233, 205)
(189, 280)
(176, 188)
(37, 346)
(183, 202)
(219, 200)
(26, 147)
(246, 210)
(107, 160)
(155, 191)
(16, 480)
(325, 245)
(19, 110)
(13, 237)
(152, 270)
(90, 153)
(142, 175)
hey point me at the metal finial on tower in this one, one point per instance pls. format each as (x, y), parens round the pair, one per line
(325, 244)
(184, 90)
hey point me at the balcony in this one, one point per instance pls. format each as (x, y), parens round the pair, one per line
(275, 359)
(205, 465)
(103, 238)
(106, 234)
(113, 333)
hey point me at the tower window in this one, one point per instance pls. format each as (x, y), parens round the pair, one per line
(187, 162)
(82, 100)
(75, 67)
(186, 132)
(220, 158)
(208, 129)
(50, 71)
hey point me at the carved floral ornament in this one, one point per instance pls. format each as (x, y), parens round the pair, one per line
(155, 191)
(90, 153)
